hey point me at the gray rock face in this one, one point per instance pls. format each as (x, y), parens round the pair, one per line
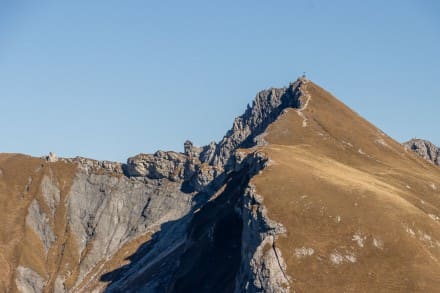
(170, 165)
(89, 165)
(109, 211)
(194, 204)
(200, 252)
(199, 166)
(265, 109)
(51, 193)
(153, 265)
(39, 222)
(262, 267)
(424, 149)
(191, 151)
(232, 231)
(28, 281)
(205, 169)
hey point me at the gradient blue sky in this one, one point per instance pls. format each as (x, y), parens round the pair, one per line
(110, 79)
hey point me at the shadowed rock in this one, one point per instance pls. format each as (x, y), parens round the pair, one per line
(424, 149)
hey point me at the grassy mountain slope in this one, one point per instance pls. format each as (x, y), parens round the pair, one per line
(361, 212)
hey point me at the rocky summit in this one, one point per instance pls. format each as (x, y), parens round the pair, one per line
(425, 149)
(300, 195)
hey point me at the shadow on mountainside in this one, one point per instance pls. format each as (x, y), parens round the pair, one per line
(200, 252)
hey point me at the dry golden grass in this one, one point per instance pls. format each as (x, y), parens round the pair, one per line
(63, 257)
(13, 205)
(361, 213)
(353, 195)
(20, 183)
(20, 180)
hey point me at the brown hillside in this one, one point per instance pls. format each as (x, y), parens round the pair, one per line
(361, 212)
(20, 185)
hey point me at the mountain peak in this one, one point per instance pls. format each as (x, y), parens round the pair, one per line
(299, 185)
(219, 158)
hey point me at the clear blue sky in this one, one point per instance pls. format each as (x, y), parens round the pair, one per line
(110, 79)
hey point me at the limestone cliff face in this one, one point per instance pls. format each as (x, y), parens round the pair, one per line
(255, 212)
(81, 227)
(151, 210)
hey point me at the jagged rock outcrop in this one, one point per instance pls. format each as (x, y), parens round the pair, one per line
(170, 165)
(170, 196)
(51, 193)
(199, 166)
(39, 222)
(424, 149)
(218, 218)
(205, 170)
(262, 266)
(201, 252)
(265, 109)
(90, 165)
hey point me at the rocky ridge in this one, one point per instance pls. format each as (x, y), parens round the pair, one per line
(205, 171)
(166, 195)
(168, 221)
(198, 166)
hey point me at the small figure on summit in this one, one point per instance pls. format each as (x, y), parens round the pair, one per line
(303, 77)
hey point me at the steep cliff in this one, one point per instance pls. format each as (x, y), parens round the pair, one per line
(300, 195)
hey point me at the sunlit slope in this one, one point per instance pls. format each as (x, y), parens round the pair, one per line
(362, 214)
(21, 181)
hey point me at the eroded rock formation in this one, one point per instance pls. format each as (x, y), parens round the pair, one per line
(208, 219)
(424, 149)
